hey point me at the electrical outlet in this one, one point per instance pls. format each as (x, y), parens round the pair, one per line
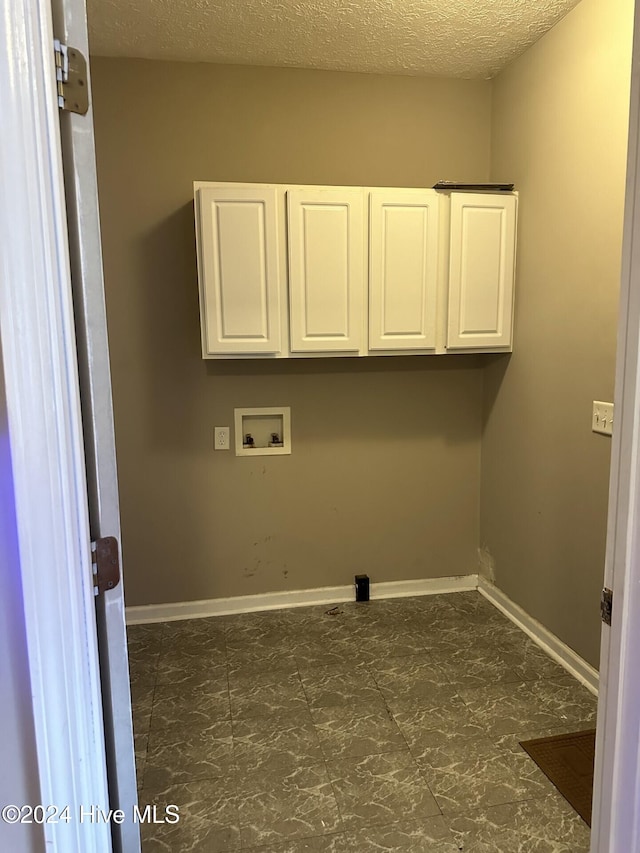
(602, 418)
(221, 438)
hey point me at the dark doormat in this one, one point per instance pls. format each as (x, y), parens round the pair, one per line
(568, 762)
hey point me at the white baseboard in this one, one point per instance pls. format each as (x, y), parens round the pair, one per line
(294, 598)
(426, 586)
(548, 642)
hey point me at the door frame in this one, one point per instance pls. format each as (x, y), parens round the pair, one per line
(616, 795)
(45, 435)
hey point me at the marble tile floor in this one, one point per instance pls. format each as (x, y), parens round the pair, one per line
(385, 726)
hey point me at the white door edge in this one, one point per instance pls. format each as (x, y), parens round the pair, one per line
(616, 795)
(43, 405)
(83, 226)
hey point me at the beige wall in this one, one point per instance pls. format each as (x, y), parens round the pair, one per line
(384, 475)
(560, 116)
(19, 780)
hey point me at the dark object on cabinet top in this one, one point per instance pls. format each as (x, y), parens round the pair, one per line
(458, 185)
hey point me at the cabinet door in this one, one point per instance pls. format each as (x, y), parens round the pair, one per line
(239, 270)
(481, 272)
(326, 269)
(403, 269)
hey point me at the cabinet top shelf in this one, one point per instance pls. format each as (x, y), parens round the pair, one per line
(442, 186)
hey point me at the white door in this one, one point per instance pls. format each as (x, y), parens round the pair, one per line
(74, 703)
(403, 269)
(238, 258)
(69, 22)
(481, 271)
(326, 269)
(616, 794)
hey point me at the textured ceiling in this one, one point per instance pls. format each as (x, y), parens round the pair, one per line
(450, 38)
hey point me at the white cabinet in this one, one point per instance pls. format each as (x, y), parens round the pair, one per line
(325, 229)
(403, 269)
(307, 271)
(239, 269)
(481, 271)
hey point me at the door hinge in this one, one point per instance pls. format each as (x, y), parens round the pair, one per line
(106, 564)
(606, 605)
(71, 78)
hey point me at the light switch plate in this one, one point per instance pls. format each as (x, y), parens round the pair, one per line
(602, 417)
